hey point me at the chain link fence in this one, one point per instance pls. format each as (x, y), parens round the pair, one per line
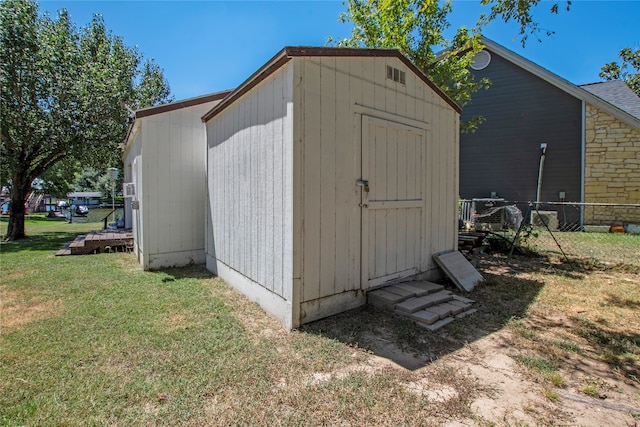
(594, 233)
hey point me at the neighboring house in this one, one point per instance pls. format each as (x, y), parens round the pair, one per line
(592, 135)
(164, 182)
(330, 171)
(87, 198)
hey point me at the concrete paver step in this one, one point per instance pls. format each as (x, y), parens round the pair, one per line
(428, 304)
(463, 299)
(385, 297)
(436, 325)
(425, 316)
(413, 304)
(416, 290)
(441, 310)
(430, 287)
(400, 291)
(455, 309)
(438, 297)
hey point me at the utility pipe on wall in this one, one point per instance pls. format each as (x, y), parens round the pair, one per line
(543, 148)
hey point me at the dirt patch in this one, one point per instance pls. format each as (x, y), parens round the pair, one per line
(549, 345)
(19, 309)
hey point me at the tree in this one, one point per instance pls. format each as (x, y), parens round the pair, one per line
(63, 92)
(628, 70)
(417, 27)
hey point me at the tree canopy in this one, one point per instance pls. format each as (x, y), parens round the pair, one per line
(628, 70)
(63, 96)
(417, 28)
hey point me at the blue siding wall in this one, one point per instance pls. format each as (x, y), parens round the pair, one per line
(521, 111)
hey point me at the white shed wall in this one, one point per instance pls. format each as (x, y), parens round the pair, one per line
(171, 187)
(329, 104)
(250, 185)
(132, 173)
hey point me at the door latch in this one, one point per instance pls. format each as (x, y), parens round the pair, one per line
(364, 184)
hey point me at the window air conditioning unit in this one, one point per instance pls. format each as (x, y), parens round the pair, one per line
(129, 189)
(540, 218)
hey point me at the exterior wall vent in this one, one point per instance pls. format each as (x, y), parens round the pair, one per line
(481, 60)
(129, 189)
(396, 75)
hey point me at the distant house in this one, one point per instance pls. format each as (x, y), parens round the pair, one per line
(88, 198)
(592, 135)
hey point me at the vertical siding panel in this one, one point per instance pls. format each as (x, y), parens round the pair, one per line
(294, 233)
(345, 175)
(276, 105)
(265, 109)
(444, 197)
(368, 85)
(392, 193)
(252, 147)
(328, 176)
(356, 95)
(164, 236)
(379, 77)
(312, 181)
(404, 140)
(173, 212)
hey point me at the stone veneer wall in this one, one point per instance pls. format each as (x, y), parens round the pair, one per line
(612, 168)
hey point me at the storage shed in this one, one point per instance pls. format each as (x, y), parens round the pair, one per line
(164, 175)
(330, 171)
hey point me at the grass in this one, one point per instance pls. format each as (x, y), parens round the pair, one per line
(94, 340)
(90, 340)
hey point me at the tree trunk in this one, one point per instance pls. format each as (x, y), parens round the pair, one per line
(15, 229)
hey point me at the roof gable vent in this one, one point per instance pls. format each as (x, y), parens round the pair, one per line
(481, 60)
(396, 75)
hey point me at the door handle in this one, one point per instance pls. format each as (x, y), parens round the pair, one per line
(364, 184)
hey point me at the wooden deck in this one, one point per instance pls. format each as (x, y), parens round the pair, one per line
(99, 241)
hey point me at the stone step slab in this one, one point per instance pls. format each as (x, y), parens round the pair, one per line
(454, 309)
(416, 290)
(413, 304)
(463, 299)
(430, 287)
(466, 313)
(464, 305)
(436, 325)
(382, 299)
(438, 297)
(396, 289)
(425, 316)
(441, 310)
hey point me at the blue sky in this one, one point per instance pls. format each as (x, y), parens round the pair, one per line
(209, 46)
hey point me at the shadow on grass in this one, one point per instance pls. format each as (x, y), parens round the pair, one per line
(619, 350)
(498, 300)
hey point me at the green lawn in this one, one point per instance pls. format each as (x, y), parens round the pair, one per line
(94, 340)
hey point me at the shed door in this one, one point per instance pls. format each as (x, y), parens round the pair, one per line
(392, 159)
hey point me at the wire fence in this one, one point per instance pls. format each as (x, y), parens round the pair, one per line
(602, 233)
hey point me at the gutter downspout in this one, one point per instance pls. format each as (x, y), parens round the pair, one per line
(543, 154)
(583, 163)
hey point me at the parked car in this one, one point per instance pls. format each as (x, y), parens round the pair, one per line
(81, 210)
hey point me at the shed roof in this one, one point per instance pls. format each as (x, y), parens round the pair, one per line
(144, 112)
(289, 52)
(171, 106)
(84, 194)
(562, 84)
(616, 92)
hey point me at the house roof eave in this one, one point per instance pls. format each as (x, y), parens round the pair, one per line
(561, 83)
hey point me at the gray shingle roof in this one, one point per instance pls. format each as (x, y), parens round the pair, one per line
(616, 93)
